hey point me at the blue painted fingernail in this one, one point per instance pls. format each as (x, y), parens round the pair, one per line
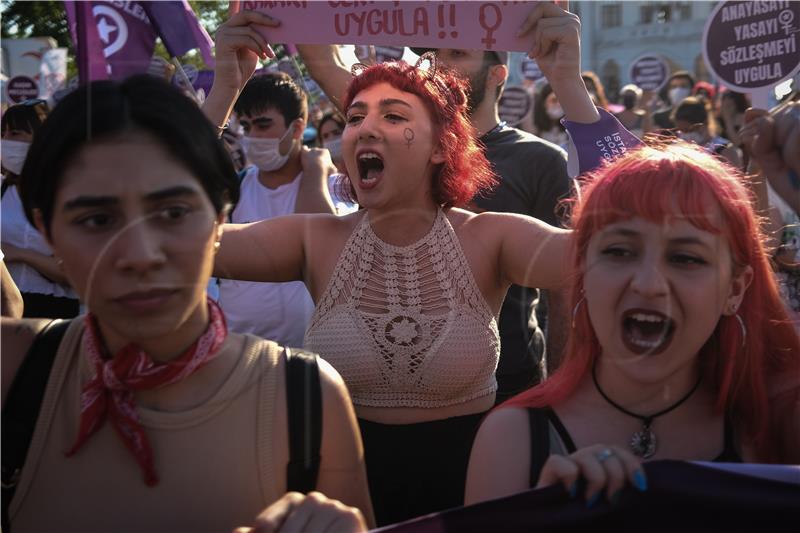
(573, 490)
(639, 480)
(593, 499)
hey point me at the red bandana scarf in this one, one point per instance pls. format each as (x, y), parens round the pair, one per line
(110, 393)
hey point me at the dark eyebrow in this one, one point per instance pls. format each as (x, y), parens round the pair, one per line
(624, 232)
(82, 202)
(391, 101)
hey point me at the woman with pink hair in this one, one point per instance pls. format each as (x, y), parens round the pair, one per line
(681, 347)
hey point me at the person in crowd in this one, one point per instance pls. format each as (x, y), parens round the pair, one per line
(704, 90)
(771, 140)
(633, 117)
(732, 106)
(272, 111)
(329, 135)
(595, 88)
(196, 438)
(526, 352)
(680, 349)
(695, 124)
(408, 289)
(679, 86)
(547, 115)
(36, 272)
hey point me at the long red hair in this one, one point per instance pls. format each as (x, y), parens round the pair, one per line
(465, 171)
(656, 183)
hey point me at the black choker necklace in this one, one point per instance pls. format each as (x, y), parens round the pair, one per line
(643, 443)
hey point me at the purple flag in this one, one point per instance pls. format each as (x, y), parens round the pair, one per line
(91, 62)
(121, 34)
(179, 28)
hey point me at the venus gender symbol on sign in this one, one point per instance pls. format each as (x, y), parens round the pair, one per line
(408, 133)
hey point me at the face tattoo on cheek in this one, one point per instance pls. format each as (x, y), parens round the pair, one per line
(408, 133)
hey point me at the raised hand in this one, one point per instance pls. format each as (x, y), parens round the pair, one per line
(239, 47)
(604, 468)
(555, 41)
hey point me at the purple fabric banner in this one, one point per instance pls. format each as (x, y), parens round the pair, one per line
(92, 63)
(178, 27)
(593, 143)
(117, 34)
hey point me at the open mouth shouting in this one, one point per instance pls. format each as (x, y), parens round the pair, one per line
(645, 331)
(370, 169)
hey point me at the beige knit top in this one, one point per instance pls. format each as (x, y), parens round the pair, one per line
(216, 461)
(407, 326)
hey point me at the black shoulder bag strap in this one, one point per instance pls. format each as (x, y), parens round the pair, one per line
(304, 411)
(22, 405)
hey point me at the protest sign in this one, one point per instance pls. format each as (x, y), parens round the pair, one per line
(752, 45)
(476, 25)
(514, 105)
(649, 72)
(21, 88)
(530, 69)
(52, 72)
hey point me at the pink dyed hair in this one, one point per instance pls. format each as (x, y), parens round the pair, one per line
(466, 171)
(656, 183)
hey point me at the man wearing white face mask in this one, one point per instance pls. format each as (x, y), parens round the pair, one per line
(679, 87)
(272, 111)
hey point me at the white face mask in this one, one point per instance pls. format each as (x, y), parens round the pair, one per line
(692, 137)
(265, 153)
(555, 112)
(13, 154)
(677, 94)
(334, 146)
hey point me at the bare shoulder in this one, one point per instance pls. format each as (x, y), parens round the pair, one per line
(16, 337)
(500, 458)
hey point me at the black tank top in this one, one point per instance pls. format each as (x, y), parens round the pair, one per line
(540, 419)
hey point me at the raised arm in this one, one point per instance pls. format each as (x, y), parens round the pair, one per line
(595, 134)
(238, 47)
(270, 250)
(326, 67)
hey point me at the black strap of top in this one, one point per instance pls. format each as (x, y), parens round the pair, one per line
(22, 406)
(729, 453)
(304, 410)
(539, 420)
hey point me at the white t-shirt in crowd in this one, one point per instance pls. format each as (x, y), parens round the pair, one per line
(275, 311)
(18, 231)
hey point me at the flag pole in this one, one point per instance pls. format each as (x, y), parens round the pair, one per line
(185, 80)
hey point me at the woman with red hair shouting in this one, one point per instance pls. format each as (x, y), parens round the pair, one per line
(408, 289)
(681, 347)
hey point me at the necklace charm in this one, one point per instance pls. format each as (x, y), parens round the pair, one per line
(643, 443)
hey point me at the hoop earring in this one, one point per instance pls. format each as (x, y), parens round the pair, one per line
(575, 310)
(742, 327)
(430, 57)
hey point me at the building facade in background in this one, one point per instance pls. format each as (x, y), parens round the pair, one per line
(616, 33)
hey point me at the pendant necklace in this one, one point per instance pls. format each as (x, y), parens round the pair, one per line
(643, 443)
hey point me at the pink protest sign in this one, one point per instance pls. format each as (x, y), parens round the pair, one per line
(434, 24)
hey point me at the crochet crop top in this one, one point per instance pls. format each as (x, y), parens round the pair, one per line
(407, 326)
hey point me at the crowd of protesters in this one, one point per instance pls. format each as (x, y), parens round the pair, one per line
(392, 303)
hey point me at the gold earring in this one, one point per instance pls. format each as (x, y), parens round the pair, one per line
(217, 244)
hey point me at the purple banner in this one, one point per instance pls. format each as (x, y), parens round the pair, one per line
(753, 45)
(179, 28)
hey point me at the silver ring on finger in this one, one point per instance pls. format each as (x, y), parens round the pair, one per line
(603, 455)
